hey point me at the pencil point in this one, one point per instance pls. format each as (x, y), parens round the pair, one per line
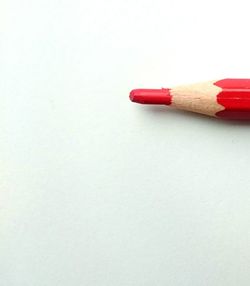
(151, 96)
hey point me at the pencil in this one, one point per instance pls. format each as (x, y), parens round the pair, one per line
(226, 98)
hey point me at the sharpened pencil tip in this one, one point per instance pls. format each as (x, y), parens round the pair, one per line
(151, 96)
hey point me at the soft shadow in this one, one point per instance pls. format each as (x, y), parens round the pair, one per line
(169, 112)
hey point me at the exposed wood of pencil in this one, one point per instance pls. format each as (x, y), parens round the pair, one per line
(200, 97)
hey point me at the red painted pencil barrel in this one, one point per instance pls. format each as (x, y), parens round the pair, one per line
(235, 97)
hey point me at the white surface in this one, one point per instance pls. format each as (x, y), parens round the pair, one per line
(98, 191)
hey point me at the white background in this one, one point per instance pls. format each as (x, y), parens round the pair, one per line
(98, 191)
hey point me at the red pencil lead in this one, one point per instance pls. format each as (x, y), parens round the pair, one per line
(151, 96)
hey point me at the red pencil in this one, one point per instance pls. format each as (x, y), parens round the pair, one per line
(226, 98)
